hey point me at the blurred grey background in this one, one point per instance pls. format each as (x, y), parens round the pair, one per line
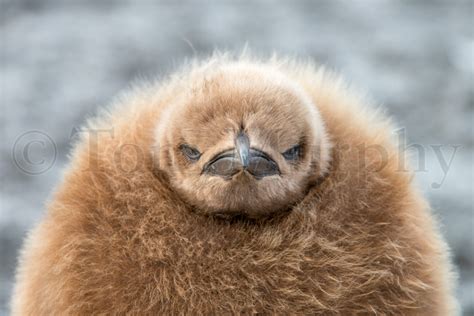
(60, 60)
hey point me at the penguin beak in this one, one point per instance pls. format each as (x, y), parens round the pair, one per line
(242, 146)
(242, 158)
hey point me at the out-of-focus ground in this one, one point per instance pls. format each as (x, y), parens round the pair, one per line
(60, 60)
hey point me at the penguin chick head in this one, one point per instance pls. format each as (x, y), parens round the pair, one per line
(241, 140)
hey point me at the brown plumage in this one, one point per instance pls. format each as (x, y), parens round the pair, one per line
(237, 186)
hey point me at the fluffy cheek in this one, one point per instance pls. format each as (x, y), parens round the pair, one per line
(198, 193)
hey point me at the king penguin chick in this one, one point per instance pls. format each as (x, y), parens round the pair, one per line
(237, 186)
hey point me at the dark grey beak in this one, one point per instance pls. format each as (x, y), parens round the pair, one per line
(242, 158)
(242, 145)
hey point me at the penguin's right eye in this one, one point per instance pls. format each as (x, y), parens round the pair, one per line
(191, 153)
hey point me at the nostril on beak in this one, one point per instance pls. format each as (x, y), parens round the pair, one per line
(242, 145)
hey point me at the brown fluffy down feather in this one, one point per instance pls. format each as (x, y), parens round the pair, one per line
(118, 239)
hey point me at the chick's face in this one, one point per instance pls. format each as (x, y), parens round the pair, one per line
(241, 143)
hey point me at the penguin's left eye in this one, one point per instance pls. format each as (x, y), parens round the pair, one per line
(191, 153)
(293, 153)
